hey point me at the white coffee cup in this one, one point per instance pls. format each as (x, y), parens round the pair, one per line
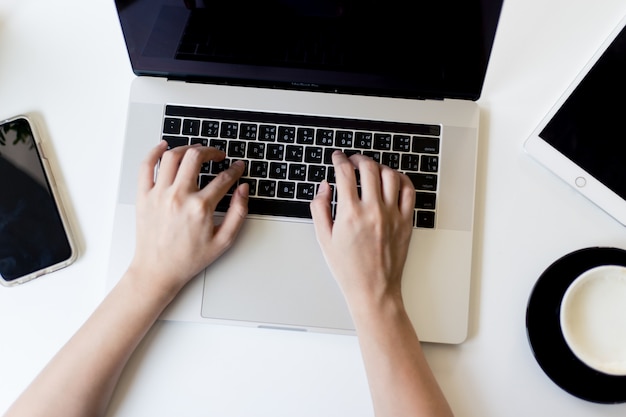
(593, 318)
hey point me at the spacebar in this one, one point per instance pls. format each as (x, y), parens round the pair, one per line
(279, 208)
(270, 207)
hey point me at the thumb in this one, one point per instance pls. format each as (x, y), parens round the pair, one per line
(321, 213)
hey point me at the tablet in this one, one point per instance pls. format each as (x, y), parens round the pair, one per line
(583, 137)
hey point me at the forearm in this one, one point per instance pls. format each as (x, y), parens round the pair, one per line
(81, 378)
(400, 379)
(176, 238)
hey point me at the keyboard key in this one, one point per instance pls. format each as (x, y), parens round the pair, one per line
(430, 163)
(267, 133)
(426, 182)
(210, 128)
(363, 140)
(350, 152)
(425, 219)
(256, 150)
(284, 208)
(275, 152)
(175, 141)
(218, 144)
(258, 169)
(330, 177)
(294, 153)
(229, 130)
(219, 166)
(266, 188)
(376, 156)
(236, 149)
(402, 143)
(171, 126)
(392, 160)
(410, 162)
(425, 200)
(316, 173)
(200, 141)
(191, 127)
(344, 139)
(297, 172)
(328, 155)
(286, 134)
(278, 170)
(305, 136)
(286, 189)
(248, 131)
(313, 155)
(324, 137)
(425, 145)
(382, 141)
(305, 191)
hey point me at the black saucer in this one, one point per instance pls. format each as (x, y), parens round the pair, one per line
(546, 340)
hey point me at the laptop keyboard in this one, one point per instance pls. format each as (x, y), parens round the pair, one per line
(288, 155)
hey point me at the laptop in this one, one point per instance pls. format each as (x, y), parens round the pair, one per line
(281, 84)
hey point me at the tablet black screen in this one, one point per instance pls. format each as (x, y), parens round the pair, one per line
(590, 127)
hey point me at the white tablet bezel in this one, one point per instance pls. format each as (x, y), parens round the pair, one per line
(565, 168)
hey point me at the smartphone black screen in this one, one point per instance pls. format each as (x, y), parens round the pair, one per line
(32, 233)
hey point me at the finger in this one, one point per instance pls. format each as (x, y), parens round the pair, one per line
(233, 220)
(321, 213)
(406, 199)
(168, 167)
(390, 186)
(218, 187)
(345, 178)
(369, 171)
(146, 171)
(192, 161)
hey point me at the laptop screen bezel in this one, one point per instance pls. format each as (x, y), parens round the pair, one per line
(457, 71)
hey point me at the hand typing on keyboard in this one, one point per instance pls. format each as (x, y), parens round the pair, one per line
(365, 247)
(175, 219)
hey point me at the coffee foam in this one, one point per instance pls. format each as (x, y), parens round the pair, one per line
(593, 318)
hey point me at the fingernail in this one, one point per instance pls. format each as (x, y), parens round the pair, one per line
(244, 189)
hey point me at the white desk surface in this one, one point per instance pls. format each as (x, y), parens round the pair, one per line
(65, 60)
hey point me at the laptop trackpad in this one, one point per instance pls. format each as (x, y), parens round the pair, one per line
(275, 275)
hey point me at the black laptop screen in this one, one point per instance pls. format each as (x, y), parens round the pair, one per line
(421, 49)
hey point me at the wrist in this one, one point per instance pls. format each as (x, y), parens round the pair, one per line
(150, 287)
(385, 306)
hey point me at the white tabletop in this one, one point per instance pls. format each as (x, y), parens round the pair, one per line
(66, 61)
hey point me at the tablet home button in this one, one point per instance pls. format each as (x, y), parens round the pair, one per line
(580, 182)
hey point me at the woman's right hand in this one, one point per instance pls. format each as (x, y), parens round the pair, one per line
(366, 246)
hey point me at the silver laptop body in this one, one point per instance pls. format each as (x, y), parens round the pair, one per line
(275, 275)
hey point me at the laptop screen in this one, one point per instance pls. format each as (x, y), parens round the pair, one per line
(422, 49)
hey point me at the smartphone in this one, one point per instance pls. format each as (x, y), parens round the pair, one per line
(35, 236)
